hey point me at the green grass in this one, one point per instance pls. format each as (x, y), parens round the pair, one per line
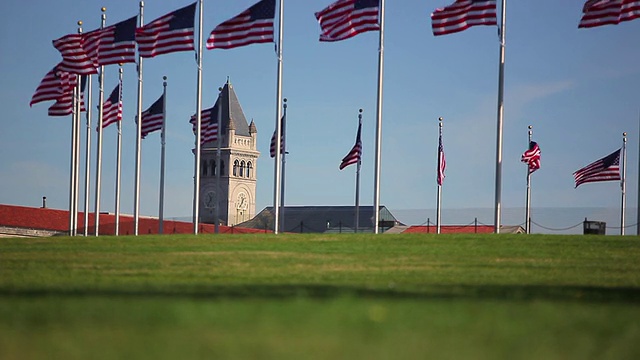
(321, 297)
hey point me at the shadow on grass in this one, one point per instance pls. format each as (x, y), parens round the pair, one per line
(321, 292)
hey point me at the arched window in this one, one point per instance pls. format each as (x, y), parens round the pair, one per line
(242, 168)
(236, 165)
(213, 167)
(203, 168)
(249, 170)
(221, 167)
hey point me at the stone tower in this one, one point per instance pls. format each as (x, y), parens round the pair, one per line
(235, 197)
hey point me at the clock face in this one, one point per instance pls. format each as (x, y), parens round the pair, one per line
(210, 199)
(242, 202)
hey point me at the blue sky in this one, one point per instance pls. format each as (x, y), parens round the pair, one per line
(579, 88)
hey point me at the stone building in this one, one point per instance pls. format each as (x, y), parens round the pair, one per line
(235, 196)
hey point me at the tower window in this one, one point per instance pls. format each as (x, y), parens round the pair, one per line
(249, 170)
(213, 167)
(242, 164)
(236, 165)
(203, 168)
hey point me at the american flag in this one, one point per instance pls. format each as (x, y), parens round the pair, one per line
(605, 169)
(117, 43)
(347, 18)
(608, 12)
(170, 33)
(112, 107)
(442, 162)
(79, 52)
(462, 15)
(272, 146)
(252, 26)
(153, 117)
(208, 125)
(50, 87)
(64, 103)
(354, 156)
(532, 157)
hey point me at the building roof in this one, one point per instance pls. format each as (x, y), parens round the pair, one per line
(321, 219)
(462, 229)
(232, 114)
(306, 219)
(21, 217)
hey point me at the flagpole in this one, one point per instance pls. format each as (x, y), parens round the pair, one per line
(136, 195)
(72, 168)
(439, 200)
(99, 141)
(638, 180)
(77, 111)
(498, 190)
(74, 158)
(196, 168)
(358, 166)
(284, 153)
(216, 209)
(87, 164)
(623, 182)
(76, 179)
(163, 140)
(277, 171)
(376, 196)
(118, 157)
(71, 162)
(527, 217)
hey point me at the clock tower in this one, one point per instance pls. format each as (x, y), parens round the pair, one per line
(235, 194)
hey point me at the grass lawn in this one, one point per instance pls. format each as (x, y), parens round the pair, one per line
(321, 297)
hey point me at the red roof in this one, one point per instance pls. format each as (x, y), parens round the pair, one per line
(58, 220)
(451, 229)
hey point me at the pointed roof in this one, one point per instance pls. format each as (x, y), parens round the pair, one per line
(232, 114)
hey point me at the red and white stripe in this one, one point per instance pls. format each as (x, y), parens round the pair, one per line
(605, 169)
(272, 144)
(64, 103)
(462, 15)
(157, 37)
(113, 51)
(153, 117)
(532, 157)
(208, 125)
(354, 156)
(252, 26)
(79, 52)
(343, 19)
(112, 107)
(442, 162)
(609, 12)
(50, 87)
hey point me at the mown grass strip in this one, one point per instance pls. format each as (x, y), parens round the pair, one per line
(320, 296)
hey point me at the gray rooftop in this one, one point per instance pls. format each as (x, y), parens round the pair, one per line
(231, 111)
(322, 219)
